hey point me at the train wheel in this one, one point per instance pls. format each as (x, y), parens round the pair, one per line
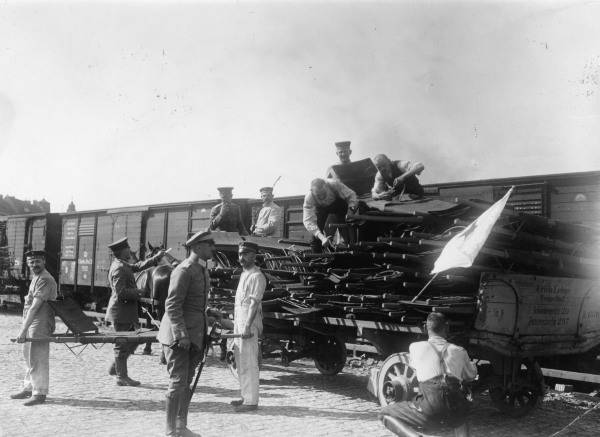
(397, 380)
(518, 398)
(330, 355)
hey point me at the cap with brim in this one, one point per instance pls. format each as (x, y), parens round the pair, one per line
(199, 237)
(248, 246)
(225, 189)
(266, 189)
(35, 254)
(119, 244)
(342, 144)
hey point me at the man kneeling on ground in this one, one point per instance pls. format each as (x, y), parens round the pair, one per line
(441, 368)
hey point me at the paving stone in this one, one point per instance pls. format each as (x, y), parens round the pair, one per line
(295, 401)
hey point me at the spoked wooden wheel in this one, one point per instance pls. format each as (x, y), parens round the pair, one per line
(397, 380)
(517, 398)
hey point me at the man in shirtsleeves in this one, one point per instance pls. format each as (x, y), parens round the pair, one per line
(183, 329)
(248, 322)
(227, 216)
(122, 310)
(326, 196)
(394, 178)
(38, 322)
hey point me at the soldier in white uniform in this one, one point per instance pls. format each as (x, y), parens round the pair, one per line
(270, 217)
(248, 323)
(38, 322)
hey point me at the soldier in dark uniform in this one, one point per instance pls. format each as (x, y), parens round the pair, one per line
(343, 152)
(122, 308)
(183, 329)
(226, 216)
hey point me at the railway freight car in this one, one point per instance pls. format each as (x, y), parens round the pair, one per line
(85, 258)
(18, 234)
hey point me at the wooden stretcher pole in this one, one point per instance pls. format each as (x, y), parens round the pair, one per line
(424, 288)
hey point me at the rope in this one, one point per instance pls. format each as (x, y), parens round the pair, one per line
(575, 420)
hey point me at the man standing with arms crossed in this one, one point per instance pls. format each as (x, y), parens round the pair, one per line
(38, 322)
(183, 329)
(248, 323)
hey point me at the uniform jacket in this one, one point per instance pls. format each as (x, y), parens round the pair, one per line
(185, 307)
(269, 221)
(123, 303)
(230, 220)
(43, 286)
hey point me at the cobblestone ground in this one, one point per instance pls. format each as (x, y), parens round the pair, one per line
(295, 401)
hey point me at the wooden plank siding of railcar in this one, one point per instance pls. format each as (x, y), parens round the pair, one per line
(16, 233)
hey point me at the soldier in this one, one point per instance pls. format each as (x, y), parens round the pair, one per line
(38, 322)
(395, 178)
(122, 308)
(270, 217)
(226, 216)
(327, 196)
(183, 329)
(343, 152)
(248, 323)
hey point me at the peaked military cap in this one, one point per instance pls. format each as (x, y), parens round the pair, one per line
(225, 189)
(35, 254)
(199, 237)
(343, 144)
(248, 246)
(266, 189)
(119, 244)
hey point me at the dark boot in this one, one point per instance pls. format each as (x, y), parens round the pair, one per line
(172, 406)
(147, 349)
(182, 412)
(122, 378)
(112, 371)
(23, 394)
(397, 427)
(35, 400)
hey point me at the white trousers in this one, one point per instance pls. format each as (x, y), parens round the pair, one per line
(246, 360)
(37, 362)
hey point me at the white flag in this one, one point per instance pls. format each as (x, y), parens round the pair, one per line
(462, 249)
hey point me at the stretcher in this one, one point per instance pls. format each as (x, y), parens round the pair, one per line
(82, 331)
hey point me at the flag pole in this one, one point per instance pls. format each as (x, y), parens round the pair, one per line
(424, 288)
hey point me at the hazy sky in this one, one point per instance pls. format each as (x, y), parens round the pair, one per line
(116, 104)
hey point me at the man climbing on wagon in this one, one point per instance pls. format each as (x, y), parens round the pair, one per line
(326, 196)
(394, 178)
(38, 322)
(441, 368)
(122, 310)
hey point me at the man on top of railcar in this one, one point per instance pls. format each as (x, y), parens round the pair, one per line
(122, 308)
(227, 216)
(395, 178)
(270, 217)
(343, 152)
(326, 196)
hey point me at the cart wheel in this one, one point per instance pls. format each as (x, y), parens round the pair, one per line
(397, 380)
(330, 355)
(519, 398)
